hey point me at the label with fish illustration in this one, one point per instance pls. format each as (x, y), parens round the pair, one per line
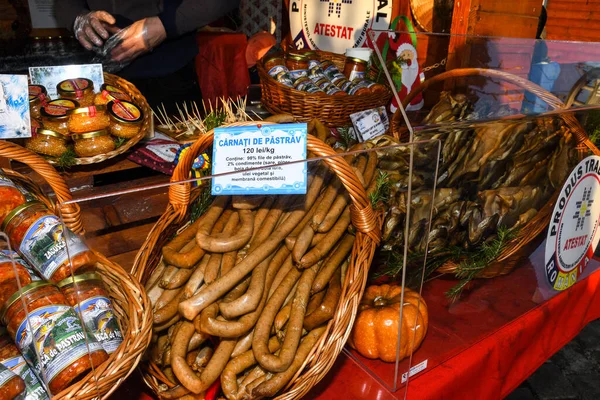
(58, 338)
(9, 256)
(33, 387)
(100, 320)
(573, 233)
(45, 247)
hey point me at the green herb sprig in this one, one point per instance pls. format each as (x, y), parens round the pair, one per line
(381, 193)
(67, 159)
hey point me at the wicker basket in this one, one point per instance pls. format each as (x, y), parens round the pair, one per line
(519, 246)
(368, 232)
(130, 302)
(146, 127)
(333, 111)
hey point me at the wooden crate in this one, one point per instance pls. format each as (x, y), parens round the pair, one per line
(573, 20)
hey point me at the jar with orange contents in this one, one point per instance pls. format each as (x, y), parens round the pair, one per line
(88, 119)
(43, 241)
(276, 68)
(47, 142)
(355, 68)
(10, 196)
(109, 93)
(38, 97)
(79, 89)
(94, 143)
(63, 356)
(11, 358)
(55, 115)
(297, 64)
(11, 385)
(125, 119)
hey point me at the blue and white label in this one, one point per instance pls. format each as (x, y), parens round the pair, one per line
(33, 387)
(255, 153)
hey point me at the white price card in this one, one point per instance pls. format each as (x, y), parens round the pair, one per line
(14, 107)
(249, 149)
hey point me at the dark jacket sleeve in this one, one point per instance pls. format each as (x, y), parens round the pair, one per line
(183, 16)
(68, 10)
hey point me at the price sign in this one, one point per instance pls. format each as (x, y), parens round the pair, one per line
(256, 154)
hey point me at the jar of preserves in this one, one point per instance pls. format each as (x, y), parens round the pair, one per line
(87, 119)
(10, 196)
(11, 358)
(35, 125)
(40, 238)
(9, 273)
(329, 88)
(11, 384)
(50, 328)
(297, 64)
(335, 76)
(38, 90)
(14, 256)
(355, 68)
(35, 106)
(55, 117)
(91, 144)
(109, 93)
(304, 84)
(125, 119)
(276, 68)
(372, 86)
(358, 90)
(47, 142)
(87, 294)
(79, 89)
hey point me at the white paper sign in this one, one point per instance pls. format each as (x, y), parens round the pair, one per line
(43, 15)
(251, 147)
(14, 107)
(50, 76)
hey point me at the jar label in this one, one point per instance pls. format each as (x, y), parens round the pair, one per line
(113, 89)
(285, 79)
(126, 111)
(9, 256)
(109, 95)
(74, 85)
(305, 85)
(56, 335)
(33, 387)
(59, 107)
(314, 64)
(277, 69)
(357, 75)
(298, 73)
(5, 375)
(45, 247)
(100, 320)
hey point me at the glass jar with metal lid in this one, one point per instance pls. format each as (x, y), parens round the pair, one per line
(11, 358)
(276, 68)
(47, 142)
(78, 89)
(87, 294)
(9, 273)
(11, 196)
(125, 119)
(50, 335)
(55, 116)
(11, 384)
(88, 119)
(355, 68)
(109, 93)
(94, 143)
(42, 240)
(38, 97)
(297, 64)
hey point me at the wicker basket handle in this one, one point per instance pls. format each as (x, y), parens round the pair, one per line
(71, 213)
(363, 216)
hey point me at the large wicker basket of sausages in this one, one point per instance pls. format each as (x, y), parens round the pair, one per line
(130, 303)
(258, 294)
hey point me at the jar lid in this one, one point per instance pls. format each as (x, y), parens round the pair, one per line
(297, 57)
(111, 88)
(35, 90)
(364, 53)
(90, 276)
(56, 109)
(89, 135)
(356, 60)
(18, 210)
(125, 112)
(87, 110)
(273, 57)
(75, 87)
(48, 132)
(21, 292)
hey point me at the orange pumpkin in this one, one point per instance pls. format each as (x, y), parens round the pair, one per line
(376, 329)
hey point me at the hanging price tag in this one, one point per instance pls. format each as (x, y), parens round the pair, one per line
(256, 153)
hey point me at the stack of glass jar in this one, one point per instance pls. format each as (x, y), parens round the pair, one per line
(304, 71)
(53, 303)
(93, 122)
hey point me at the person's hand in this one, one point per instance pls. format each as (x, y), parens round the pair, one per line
(93, 28)
(138, 38)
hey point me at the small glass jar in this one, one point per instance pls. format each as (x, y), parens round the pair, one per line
(276, 68)
(329, 88)
(304, 84)
(297, 64)
(64, 352)
(47, 142)
(356, 90)
(8, 282)
(125, 119)
(109, 93)
(355, 68)
(11, 358)
(87, 294)
(35, 106)
(10, 196)
(11, 384)
(55, 115)
(18, 260)
(91, 144)
(88, 119)
(42, 241)
(335, 76)
(372, 86)
(79, 89)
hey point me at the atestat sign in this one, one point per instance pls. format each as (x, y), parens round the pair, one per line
(336, 25)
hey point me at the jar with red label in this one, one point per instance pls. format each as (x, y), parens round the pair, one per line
(125, 119)
(47, 142)
(94, 143)
(11, 358)
(78, 89)
(87, 294)
(109, 93)
(45, 243)
(55, 115)
(88, 119)
(36, 317)
(276, 68)
(355, 68)
(297, 64)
